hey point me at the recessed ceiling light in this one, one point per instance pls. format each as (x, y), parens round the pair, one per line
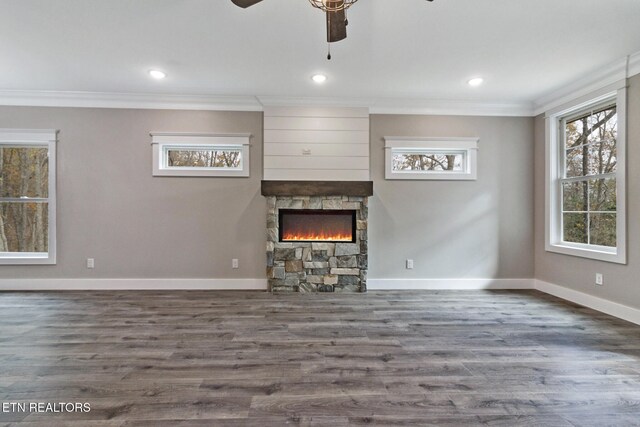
(157, 74)
(475, 81)
(319, 78)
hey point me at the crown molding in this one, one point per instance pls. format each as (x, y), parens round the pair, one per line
(250, 103)
(452, 107)
(634, 65)
(128, 100)
(408, 105)
(610, 74)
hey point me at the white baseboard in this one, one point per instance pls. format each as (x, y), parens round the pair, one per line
(132, 284)
(247, 284)
(611, 308)
(450, 284)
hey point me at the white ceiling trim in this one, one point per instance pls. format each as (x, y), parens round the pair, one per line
(250, 103)
(407, 105)
(612, 73)
(451, 107)
(634, 64)
(128, 100)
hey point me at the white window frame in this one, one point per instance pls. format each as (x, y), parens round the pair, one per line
(555, 169)
(35, 138)
(421, 145)
(162, 142)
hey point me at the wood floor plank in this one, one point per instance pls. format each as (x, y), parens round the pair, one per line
(428, 358)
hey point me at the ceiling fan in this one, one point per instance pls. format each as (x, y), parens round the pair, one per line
(335, 12)
(336, 16)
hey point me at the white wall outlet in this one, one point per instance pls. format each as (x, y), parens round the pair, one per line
(235, 263)
(91, 263)
(599, 279)
(409, 264)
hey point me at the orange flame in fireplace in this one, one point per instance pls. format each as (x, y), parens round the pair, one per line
(316, 227)
(321, 236)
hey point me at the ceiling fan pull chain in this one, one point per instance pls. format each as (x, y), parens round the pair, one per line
(329, 51)
(346, 20)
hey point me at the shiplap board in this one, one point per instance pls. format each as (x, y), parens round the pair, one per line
(316, 143)
(315, 175)
(316, 123)
(289, 149)
(316, 162)
(316, 112)
(317, 136)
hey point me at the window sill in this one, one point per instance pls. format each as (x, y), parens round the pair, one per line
(193, 172)
(426, 176)
(598, 253)
(27, 258)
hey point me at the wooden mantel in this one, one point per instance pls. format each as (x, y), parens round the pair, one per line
(317, 188)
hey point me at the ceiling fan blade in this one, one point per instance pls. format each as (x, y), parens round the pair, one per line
(245, 3)
(336, 26)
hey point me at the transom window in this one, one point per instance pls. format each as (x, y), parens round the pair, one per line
(27, 196)
(200, 155)
(207, 157)
(431, 158)
(428, 160)
(586, 181)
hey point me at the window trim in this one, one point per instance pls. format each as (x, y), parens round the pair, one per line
(554, 146)
(162, 141)
(467, 146)
(36, 138)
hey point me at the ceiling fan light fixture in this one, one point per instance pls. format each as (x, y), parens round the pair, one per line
(319, 78)
(332, 5)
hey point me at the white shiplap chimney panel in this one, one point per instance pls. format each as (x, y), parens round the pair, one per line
(315, 175)
(315, 143)
(317, 137)
(342, 150)
(316, 123)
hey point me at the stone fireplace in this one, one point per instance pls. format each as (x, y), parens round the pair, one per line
(317, 235)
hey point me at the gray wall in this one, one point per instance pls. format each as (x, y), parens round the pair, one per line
(621, 281)
(455, 229)
(110, 207)
(135, 226)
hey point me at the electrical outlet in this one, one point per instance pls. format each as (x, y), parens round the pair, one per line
(409, 264)
(91, 263)
(599, 279)
(235, 263)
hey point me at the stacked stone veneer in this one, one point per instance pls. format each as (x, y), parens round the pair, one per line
(317, 267)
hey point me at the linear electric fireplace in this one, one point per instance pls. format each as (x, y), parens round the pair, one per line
(317, 225)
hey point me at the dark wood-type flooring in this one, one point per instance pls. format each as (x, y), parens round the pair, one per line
(196, 358)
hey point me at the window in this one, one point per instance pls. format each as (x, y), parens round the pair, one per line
(27, 196)
(431, 158)
(586, 178)
(200, 155)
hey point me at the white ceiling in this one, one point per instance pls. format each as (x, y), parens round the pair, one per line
(408, 49)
